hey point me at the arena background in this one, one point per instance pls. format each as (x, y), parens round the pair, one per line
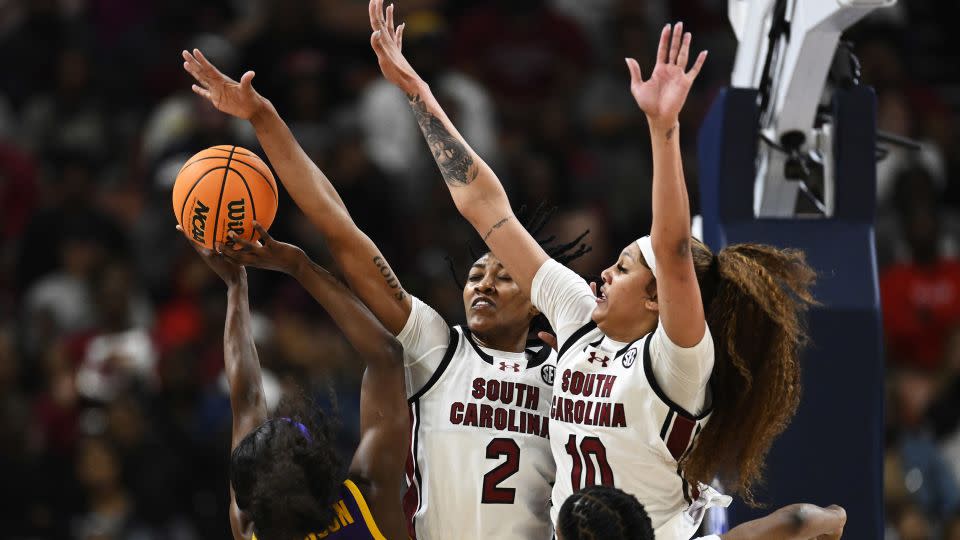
(114, 419)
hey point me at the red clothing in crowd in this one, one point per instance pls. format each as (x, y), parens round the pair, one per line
(921, 306)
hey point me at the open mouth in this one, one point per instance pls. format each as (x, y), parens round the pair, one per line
(482, 302)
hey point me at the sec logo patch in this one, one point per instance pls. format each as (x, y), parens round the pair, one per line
(630, 357)
(547, 372)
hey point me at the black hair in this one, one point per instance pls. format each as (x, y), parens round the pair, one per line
(602, 512)
(534, 222)
(285, 474)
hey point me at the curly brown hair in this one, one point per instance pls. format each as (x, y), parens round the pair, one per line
(754, 298)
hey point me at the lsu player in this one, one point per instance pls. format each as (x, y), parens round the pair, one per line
(286, 482)
(478, 396)
(681, 345)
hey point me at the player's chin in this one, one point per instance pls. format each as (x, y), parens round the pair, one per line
(600, 312)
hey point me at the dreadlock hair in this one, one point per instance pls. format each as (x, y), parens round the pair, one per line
(601, 512)
(534, 222)
(754, 298)
(285, 474)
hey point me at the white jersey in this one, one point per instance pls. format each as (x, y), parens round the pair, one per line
(611, 420)
(480, 464)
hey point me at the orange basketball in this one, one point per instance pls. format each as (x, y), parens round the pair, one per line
(221, 189)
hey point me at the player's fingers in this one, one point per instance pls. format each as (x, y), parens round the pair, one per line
(593, 287)
(262, 232)
(663, 48)
(390, 29)
(202, 92)
(549, 339)
(246, 80)
(381, 15)
(400, 35)
(675, 42)
(684, 51)
(372, 13)
(635, 75)
(695, 70)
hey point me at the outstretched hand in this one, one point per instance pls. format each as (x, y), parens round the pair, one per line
(387, 42)
(235, 98)
(662, 95)
(266, 253)
(229, 271)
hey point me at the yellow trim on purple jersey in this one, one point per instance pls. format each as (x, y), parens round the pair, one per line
(343, 518)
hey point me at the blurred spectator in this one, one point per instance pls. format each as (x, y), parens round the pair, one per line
(921, 296)
(520, 50)
(117, 353)
(392, 136)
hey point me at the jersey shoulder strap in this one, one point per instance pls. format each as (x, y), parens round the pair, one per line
(444, 362)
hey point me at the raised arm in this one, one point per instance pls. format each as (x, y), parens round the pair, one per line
(475, 189)
(241, 363)
(366, 269)
(661, 97)
(384, 424)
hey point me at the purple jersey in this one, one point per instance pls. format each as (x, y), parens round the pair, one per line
(352, 518)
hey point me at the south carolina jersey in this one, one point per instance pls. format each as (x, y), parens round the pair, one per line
(611, 422)
(352, 518)
(480, 465)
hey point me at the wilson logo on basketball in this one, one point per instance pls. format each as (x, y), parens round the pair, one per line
(236, 211)
(199, 221)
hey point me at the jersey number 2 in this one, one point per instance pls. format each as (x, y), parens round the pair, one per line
(590, 449)
(498, 448)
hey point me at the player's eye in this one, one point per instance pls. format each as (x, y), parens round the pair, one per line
(621, 268)
(505, 278)
(474, 278)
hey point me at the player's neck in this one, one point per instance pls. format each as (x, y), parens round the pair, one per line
(502, 342)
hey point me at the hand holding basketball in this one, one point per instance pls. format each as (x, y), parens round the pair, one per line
(267, 253)
(229, 271)
(662, 95)
(387, 42)
(226, 94)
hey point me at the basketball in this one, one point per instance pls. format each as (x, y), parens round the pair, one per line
(222, 189)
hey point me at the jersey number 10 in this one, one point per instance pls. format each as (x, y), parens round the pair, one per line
(583, 458)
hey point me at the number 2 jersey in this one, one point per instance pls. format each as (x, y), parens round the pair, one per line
(480, 463)
(611, 420)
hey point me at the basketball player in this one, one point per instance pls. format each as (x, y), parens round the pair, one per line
(285, 480)
(479, 398)
(641, 372)
(606, 512)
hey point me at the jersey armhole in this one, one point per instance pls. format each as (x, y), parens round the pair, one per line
(444, 362)
(652, 380)
(582, 331)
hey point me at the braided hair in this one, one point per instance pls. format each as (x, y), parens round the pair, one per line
(602, 512)
(534, 222)
(285, 474)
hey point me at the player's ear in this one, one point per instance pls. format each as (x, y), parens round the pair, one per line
(533, 311)
(651, 304)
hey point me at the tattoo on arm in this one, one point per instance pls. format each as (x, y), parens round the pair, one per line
(451, 155)
(388, 276)
(670, 132)
(496, 225)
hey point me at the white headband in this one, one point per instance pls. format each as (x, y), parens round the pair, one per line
(646, 249)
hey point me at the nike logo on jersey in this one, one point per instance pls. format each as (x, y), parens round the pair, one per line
(516, 367)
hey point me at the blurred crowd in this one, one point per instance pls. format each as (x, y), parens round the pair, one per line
(114, 415)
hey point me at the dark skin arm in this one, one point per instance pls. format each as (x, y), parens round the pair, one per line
(241, 364)
(794, 522)
(365, 268)
(384, 429)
